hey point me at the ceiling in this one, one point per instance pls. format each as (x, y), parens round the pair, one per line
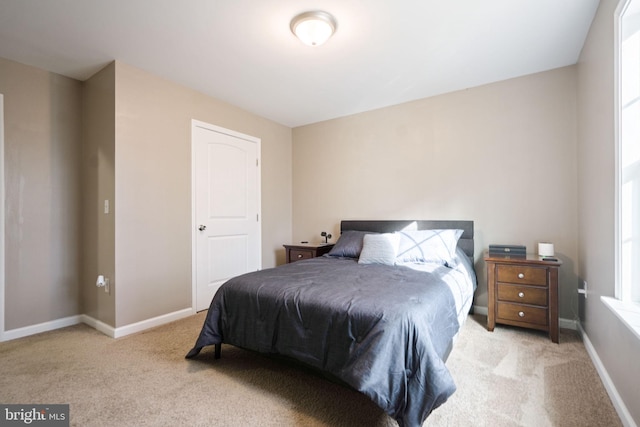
(242, 51)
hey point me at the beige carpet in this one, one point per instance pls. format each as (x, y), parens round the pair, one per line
(511, 377)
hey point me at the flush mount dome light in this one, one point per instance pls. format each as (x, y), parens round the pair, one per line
(313, 28)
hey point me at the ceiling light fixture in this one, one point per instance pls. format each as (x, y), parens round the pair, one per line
(313, 28)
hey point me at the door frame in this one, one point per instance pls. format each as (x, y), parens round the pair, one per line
(194, 234)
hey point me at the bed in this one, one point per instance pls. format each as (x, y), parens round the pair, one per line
(380, 312)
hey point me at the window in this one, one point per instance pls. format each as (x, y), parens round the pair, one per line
(626, 305)
(629, 155)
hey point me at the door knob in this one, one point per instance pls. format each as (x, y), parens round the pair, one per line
(202, 227)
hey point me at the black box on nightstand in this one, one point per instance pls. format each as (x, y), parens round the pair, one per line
(512, 250)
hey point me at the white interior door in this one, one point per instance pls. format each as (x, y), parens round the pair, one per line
(226, 208)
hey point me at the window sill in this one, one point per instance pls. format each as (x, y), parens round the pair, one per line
(628, 312)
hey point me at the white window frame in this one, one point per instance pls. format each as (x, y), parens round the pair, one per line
(626, 304)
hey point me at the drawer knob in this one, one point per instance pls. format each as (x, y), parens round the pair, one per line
(521, 313)
(299, 255)
(521, 294)
(520, 275)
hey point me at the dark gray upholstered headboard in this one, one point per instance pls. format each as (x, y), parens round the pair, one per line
(386, 226)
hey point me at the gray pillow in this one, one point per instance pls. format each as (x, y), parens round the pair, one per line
(379, 249)
(349, 244)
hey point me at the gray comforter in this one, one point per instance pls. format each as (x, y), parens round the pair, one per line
(384, 330)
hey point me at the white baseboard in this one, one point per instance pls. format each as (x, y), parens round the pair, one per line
(617, 401)
(568, 324)
(96, 324)
(480, 310)
(562, 323)
(138, 326)
(41, 327)
(153, 322)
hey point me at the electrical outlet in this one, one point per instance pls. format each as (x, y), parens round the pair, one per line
(583, 291)
(107, 288)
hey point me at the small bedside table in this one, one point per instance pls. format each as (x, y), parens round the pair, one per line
(306, 250)
(523, 291)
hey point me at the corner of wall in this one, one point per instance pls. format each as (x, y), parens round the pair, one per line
(98, 159)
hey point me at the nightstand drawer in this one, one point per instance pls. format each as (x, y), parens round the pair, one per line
(522, 294)
(522, 313)
(522, 274)
(299, 254)
(306, 251)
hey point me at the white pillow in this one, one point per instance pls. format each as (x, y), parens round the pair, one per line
(379, 249)
(428, 246)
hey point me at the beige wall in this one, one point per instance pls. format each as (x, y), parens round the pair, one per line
(98, 182)
(42, 185)
(502, 155)
(123, 135)
(615, 344)
(153, 189)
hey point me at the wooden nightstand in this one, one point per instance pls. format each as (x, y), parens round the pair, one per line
(306, 251)
(523, 291)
